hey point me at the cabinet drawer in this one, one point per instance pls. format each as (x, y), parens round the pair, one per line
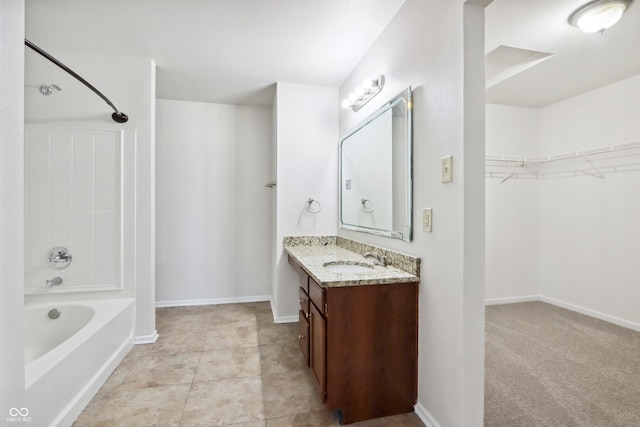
(317, 295)
(303, 299)
(304, 281)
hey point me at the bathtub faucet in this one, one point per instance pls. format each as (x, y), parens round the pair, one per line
(56, 281)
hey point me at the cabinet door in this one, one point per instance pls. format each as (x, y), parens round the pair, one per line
(318, 349)
(303, 335)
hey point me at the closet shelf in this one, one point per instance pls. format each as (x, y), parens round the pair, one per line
(593, 162)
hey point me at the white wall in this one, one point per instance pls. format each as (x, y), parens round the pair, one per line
(512, 245)
(11, 207)
(605, 116)
(571, 240)
(590, 228)
(424, 47)
(214, 219)
(130, 84)
(307, 167)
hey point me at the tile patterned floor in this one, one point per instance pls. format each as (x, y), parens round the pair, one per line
(217, 365)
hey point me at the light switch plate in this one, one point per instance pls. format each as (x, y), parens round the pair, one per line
(447, 169)
(426, 220)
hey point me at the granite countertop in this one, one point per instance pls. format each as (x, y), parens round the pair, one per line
(312, 257)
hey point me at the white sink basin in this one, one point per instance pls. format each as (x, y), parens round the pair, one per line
(344, 267)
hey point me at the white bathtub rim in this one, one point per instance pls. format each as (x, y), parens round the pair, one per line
(37, 368)
(71, 412)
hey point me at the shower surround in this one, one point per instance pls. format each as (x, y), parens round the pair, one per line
(73, 200)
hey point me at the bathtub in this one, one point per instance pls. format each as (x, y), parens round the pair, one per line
(69, 358)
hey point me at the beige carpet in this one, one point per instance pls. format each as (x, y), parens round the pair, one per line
(546, 366)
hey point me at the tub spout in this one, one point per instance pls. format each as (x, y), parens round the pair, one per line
(56, 281)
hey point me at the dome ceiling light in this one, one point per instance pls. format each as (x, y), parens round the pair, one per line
(597, 16)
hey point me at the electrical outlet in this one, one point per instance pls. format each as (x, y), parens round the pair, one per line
(447, 169)
(426, 220)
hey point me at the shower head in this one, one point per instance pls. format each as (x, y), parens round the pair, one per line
(47, 90)
(120, 117)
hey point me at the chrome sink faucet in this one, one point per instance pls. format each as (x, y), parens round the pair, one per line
(377, 259)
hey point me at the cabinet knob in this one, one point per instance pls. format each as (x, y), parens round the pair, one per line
(300, 301)
(300, 337)
(308, 315)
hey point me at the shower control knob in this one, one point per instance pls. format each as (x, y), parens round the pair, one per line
(60, 257)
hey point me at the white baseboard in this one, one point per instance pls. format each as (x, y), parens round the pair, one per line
(578, 309)
(425, 416)
(282, 319)
(286, 319)
(212, 301)
(592, 313)
(146, 339)
(511, 300)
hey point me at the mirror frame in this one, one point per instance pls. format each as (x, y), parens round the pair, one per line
(406, 233)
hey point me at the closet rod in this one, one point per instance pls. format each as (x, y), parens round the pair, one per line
(118, 115)
(565, 156)
(593, 152)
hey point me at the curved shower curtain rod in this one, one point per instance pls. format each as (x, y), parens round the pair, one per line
(118, 116)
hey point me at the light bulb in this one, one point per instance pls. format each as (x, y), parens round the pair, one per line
(367, 84)
(346, 103)
(360, 91)
(352, 97)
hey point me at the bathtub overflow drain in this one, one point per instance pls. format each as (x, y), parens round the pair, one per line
(54, 313)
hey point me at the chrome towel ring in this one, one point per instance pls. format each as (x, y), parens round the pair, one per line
(367, 206)
(309, 206)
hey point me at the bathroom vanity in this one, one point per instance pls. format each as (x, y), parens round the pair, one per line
(358, 325)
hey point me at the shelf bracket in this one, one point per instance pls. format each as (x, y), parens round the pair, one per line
(520, 164)
(596, 172)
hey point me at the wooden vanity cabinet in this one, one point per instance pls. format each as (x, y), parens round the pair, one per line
(317, 295)
(363, 348)
(318, 349)
(372, 350)
(303, 324)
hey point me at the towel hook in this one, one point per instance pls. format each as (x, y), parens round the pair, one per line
(364, 209)
(310, 203)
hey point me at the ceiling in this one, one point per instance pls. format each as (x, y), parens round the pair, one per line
(580, 62)
(233, 51)
(221, 51)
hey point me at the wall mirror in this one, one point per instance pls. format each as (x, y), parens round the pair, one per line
(375, 172)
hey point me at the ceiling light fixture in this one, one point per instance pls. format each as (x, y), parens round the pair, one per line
(364, 93)
(597, 16)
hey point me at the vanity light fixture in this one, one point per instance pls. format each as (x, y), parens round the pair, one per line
(598, 15)
(364, 93)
